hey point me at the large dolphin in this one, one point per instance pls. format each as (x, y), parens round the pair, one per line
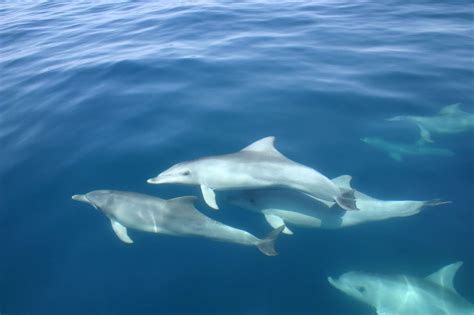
(406, 295)
(176, 216)
(258, 165)
(450, 119)
(283, 206)
(397, 150)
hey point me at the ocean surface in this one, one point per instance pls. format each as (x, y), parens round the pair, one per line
(104, 95)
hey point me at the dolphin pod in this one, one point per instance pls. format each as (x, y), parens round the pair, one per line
(176, 216)
(406, 295)
(261, 179)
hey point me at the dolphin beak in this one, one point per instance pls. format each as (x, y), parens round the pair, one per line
(160, 179)
(81, 198)
(333, 282)
(153, 180)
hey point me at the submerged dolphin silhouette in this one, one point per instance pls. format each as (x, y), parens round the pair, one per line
(405, 295)
(284, 206)
(176, 216)
(397, 150)
(258, 165)
(449, 120)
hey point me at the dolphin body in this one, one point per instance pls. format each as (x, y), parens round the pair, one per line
(176, 216)
(405, 295)
(258, 165)
(451, 119)
(397, 150)
(283, 206)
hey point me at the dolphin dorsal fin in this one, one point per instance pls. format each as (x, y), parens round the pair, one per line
(445, 276)
(450, 109)
(187, 200)
(343, 181)
(263, 145)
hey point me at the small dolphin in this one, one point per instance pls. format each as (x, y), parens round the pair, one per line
(397, 150)
(176, 216)
(405, 295)
(450, 119)
(283, 206)
(258, 165)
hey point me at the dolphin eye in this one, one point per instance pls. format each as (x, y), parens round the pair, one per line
(186, 173)
(361, 289)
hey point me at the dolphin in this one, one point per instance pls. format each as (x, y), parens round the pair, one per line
(258, 165)
(406, 295)
(176, 216)
(397, 150)
(282, 206)
(450, 119)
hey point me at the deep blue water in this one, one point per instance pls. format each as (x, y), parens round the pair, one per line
(104, 95)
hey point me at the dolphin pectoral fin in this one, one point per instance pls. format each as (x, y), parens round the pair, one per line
(425, 135)
(275, 222)
(396, 156)
(209, 196)
(121, 232)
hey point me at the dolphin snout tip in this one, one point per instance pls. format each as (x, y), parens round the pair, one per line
(331, 281)
(152, 180)
(79, 198)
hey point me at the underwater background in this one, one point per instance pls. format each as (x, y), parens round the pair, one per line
(102, 95)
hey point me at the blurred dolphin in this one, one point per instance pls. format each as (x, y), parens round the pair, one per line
(176, 216)
(449, 120)
(258, 165)
(406, 295)
(397, 150)
(283, 206)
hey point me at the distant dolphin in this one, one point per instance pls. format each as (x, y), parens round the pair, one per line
(405, 295)
(174, 217)
(258, 165)
(283, 206)
(397, 150)
(450, 119)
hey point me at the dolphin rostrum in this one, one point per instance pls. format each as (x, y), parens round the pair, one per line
(450, 119)
(397, 150)
(258, 165)
(176, 216)
(284, 206)
(406, 295)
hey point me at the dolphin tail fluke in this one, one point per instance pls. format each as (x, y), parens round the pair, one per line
(434, 202)
(267, 245)
(347, 200)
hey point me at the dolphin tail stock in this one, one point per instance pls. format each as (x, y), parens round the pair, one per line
(434, 202)
(347, 200)
(267, 245)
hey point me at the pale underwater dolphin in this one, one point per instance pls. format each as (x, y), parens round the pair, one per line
(258, 165)
(284, 206)
(397, 150)
(405, 295)
(176, 216)
(450, 119)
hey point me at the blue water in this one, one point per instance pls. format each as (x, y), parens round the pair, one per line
(106, 95)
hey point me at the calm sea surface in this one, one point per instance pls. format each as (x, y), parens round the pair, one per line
(105, 95)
